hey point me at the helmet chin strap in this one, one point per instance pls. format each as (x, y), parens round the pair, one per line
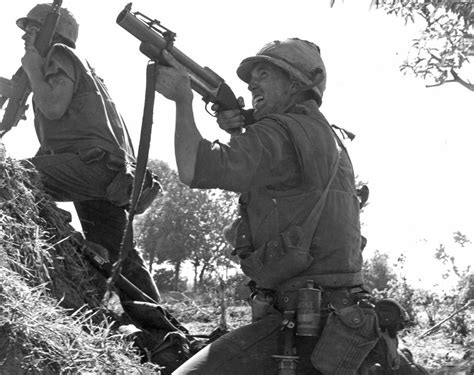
(318, 78)
(306, 87)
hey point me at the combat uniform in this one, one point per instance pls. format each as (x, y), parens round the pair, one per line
(86, 157)
(281, 166)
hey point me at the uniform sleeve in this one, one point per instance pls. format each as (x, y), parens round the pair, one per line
(59, 61)
(262, 156)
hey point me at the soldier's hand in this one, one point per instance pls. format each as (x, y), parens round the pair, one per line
(173, 81)
(232, 121)
(32, 61)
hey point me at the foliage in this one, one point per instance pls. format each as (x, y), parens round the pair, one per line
(164, 280)
(387, 281)
(449, 261)
(187, 224)
(377, 272)
(446, 42)
(425, 307)
(464, 287)
(238, 289)
(398, 287)
(213, 254)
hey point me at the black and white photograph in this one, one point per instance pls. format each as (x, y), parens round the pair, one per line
(246, 188)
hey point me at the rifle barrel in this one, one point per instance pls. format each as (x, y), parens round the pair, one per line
(148, 35)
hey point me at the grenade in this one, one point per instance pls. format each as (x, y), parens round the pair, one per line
(308, 315)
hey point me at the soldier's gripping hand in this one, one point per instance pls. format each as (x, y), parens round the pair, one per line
(232, 121)
(173, 81)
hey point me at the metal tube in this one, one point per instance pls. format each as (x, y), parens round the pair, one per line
(146, 34)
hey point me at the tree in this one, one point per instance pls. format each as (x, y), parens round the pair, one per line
(186, 224)
(464, 289)
(377, 272)
(166, 230)
(446, 43)
(218, 212)
(462, 273)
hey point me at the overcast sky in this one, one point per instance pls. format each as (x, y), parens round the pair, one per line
(413, 144)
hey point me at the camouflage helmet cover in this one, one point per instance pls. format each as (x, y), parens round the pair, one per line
(301, 59)
(67, 24)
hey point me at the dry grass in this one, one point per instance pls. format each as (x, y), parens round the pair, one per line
(51, 317)
(40, 337)
(36, 240)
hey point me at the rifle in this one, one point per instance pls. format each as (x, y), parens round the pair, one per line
(90, 252)
(17, 89)
(155, 38)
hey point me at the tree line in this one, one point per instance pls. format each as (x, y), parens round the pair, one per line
(186, 225)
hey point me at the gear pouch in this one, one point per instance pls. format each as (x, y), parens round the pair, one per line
(119, 190)
(277, 260)
(347, 338)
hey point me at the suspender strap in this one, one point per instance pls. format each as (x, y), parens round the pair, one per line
(311, 222)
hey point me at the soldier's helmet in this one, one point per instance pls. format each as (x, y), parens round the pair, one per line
(67, 25)
(301, 59)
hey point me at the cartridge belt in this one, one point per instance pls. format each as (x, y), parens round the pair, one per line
(331, 298)
(329, 281)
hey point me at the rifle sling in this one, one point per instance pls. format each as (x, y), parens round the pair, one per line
(142, 160)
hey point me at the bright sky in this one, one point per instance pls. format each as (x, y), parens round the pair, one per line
(413, 144)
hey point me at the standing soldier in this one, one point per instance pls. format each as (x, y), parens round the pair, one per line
(85, 153)
(298, 235)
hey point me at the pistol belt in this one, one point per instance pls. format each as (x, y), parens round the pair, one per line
(331, 298)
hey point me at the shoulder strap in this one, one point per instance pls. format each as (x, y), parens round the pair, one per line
(91, 81)
(116, 123)
(311, 222)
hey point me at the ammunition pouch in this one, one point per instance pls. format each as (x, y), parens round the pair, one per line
(151, 189)
(119, 190)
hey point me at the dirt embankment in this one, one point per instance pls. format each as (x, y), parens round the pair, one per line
(45, 326)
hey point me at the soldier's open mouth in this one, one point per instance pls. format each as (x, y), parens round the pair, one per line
(257, 100)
